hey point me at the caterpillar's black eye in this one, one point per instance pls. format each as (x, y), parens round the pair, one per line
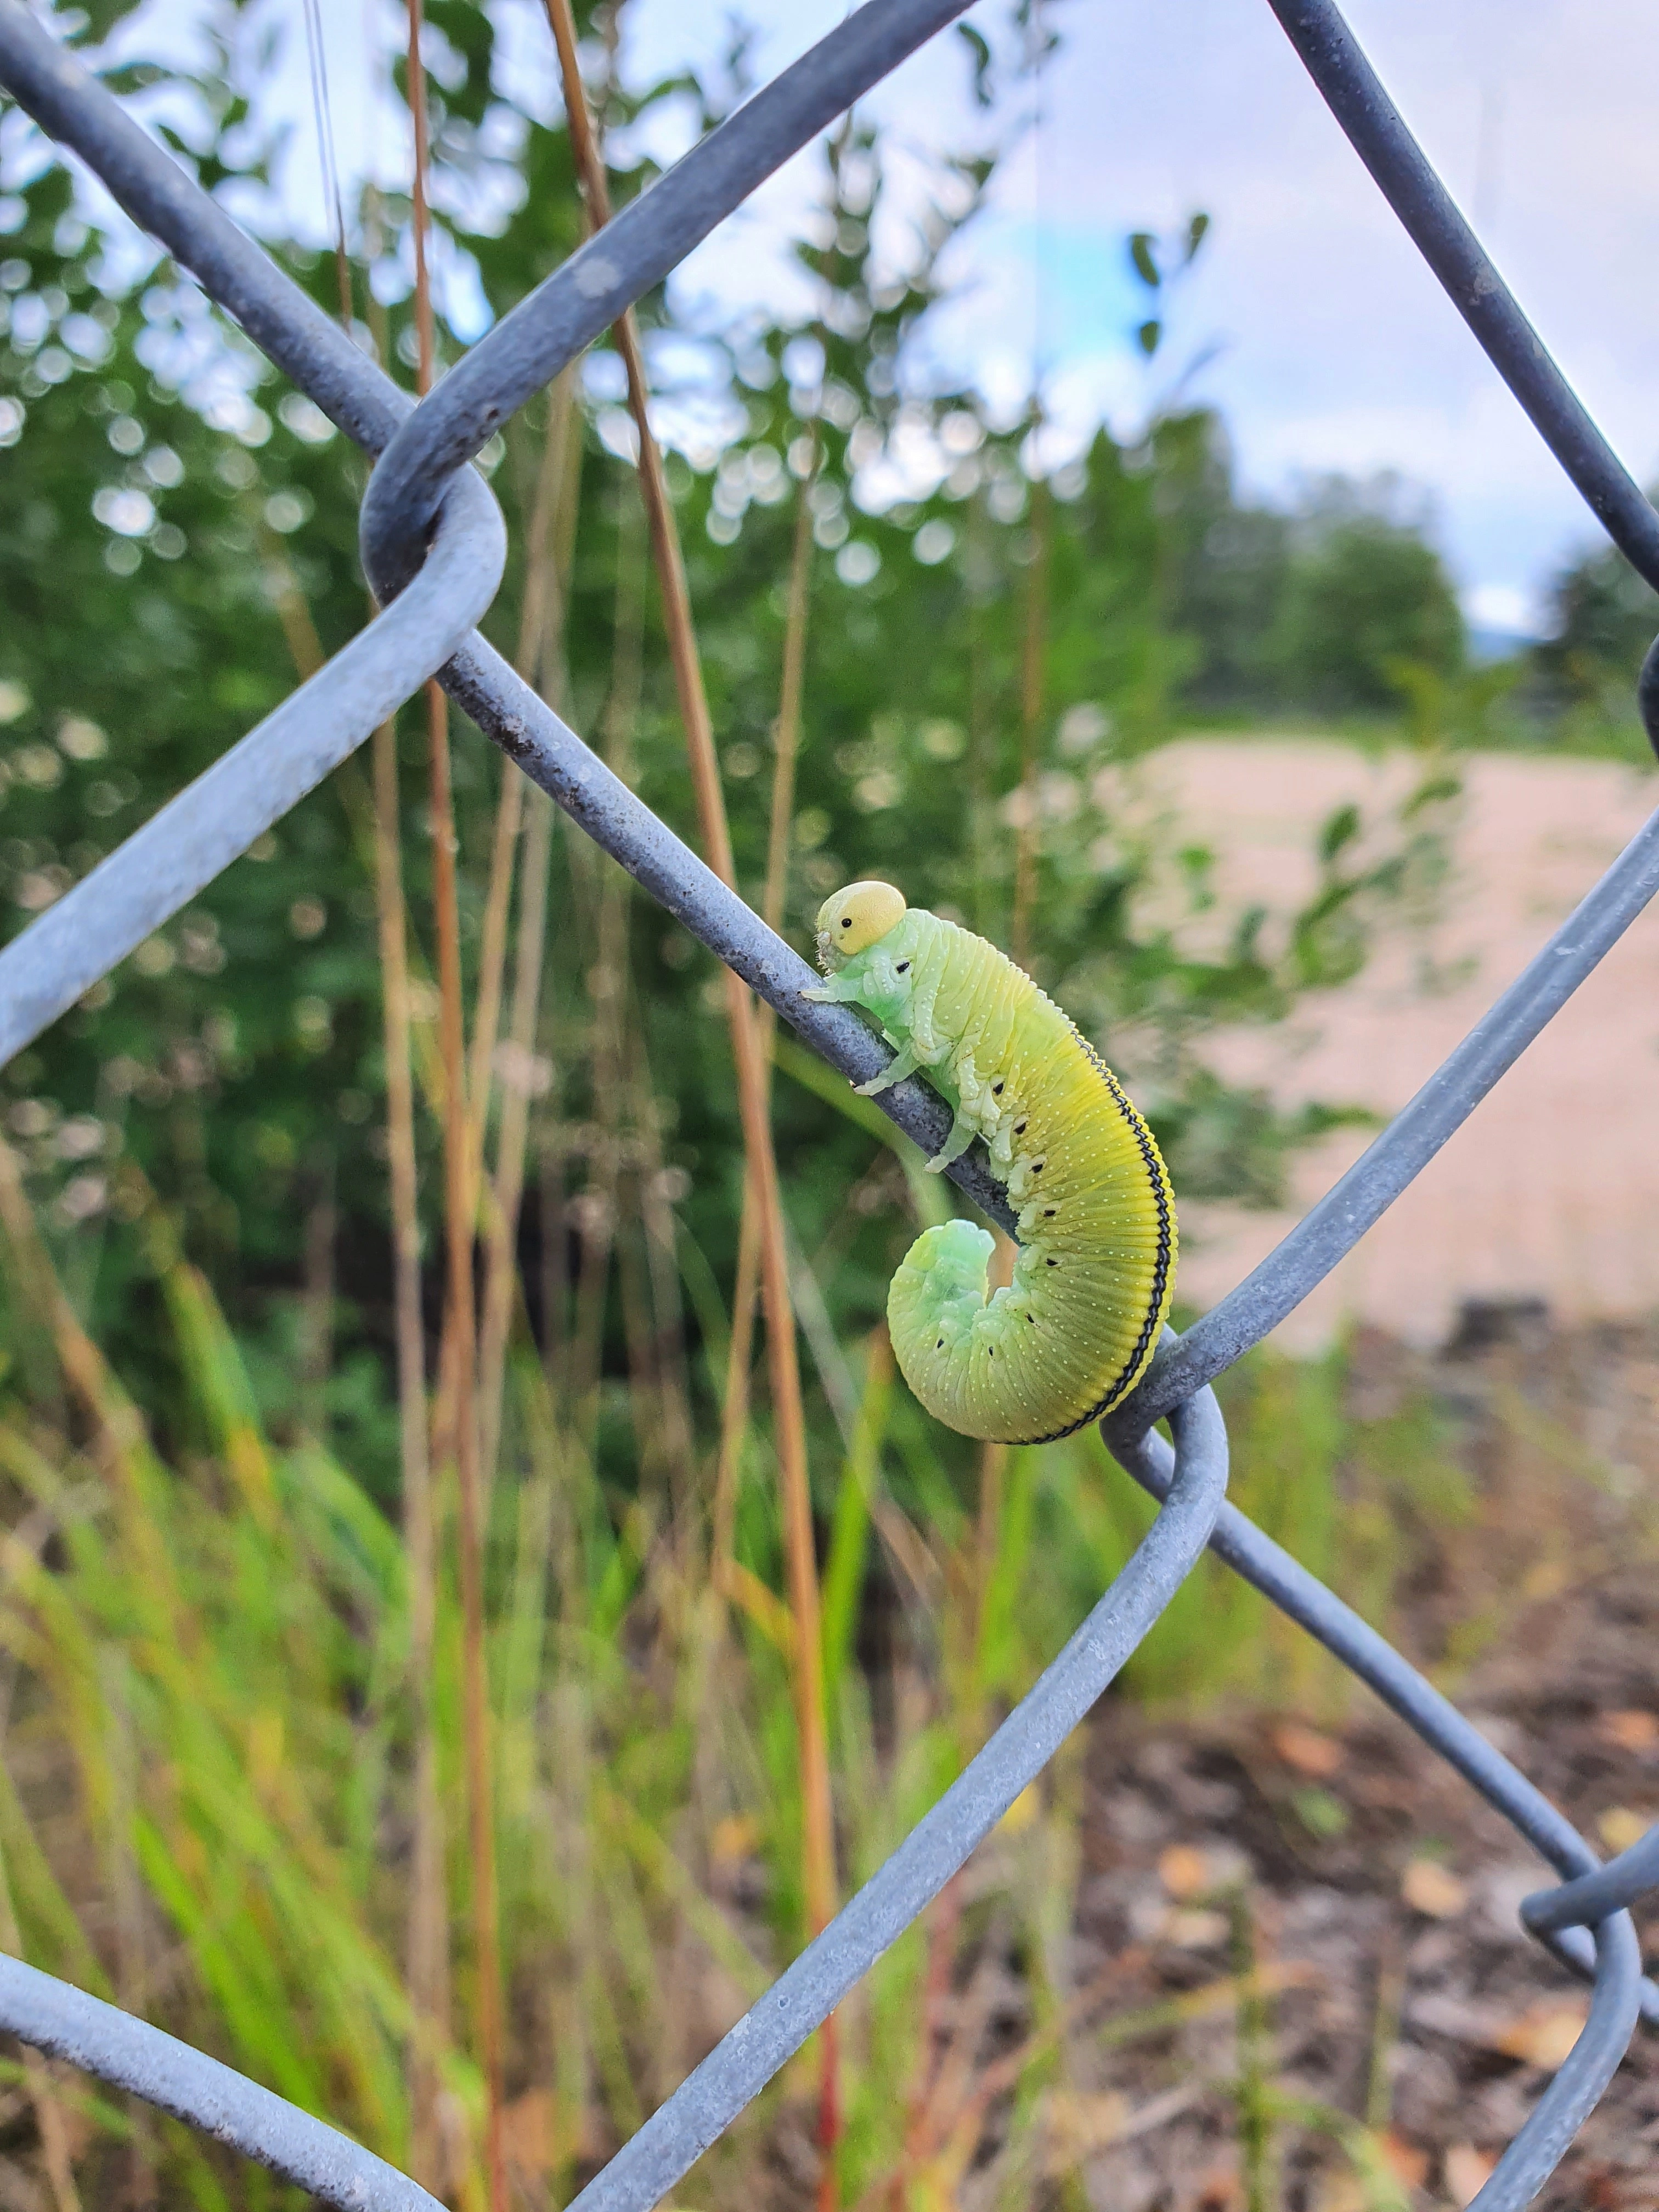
(903, 968)
(846, 921)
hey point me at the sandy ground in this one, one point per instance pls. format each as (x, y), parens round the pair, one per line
(1551, 1189)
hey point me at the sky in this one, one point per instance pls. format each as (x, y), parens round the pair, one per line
(1307, 319)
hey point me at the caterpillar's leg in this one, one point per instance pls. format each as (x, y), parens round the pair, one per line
(962, 1134)
(903, 1063)
(836, 992)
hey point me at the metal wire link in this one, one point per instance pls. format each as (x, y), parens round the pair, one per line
(433, 546)
(1592, 1897)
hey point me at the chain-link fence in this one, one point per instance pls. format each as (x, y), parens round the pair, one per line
(433, 546)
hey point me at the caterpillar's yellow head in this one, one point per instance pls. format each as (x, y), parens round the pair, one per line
(853, 919)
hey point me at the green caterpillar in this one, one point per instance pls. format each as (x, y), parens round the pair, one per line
(1071, 1336)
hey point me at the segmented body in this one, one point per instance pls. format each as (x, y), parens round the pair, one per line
(1070, 1337)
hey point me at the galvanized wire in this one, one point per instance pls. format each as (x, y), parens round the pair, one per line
(432, 547)
(132, 2055)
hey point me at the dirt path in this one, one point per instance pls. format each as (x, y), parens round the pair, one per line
(1552, 1188)
(1399, 2019)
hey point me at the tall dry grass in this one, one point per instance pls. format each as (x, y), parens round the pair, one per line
(210, 1769)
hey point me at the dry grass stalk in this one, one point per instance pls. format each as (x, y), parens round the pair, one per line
(282, 588)
(533, 616)
(120, 1426)
(499, 1274)
(426, 1942)
(791, 694)
(599, 1206)
(651, 1299)
(323, 119)
(625, 1151)
(661, 1228)
(734, 1405)
(1031, 717)
(734, 1411)
(789, 1415)
(993, 1480)
(552, 1224)
(459, 1215)
(492, 968)
(541, 637)
(981, 737)
(427, 1948)
(943, 1924)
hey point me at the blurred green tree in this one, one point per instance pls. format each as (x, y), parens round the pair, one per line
(1363, 589)
(1601, 619)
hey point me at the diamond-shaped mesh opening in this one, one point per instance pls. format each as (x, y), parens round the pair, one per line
(433, 546)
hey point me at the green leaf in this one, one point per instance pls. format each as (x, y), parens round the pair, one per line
(1141, 254)
(1340, 829)
(984, 92)
(1149, 333)
(1321, 1814)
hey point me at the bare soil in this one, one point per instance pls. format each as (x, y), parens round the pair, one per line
(1330, 1907)
(1441, 2021)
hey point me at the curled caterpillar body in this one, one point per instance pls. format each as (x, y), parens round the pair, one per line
(1071, 1335)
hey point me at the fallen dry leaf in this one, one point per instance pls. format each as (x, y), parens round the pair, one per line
(1541, 2036)
(1081, 2126)
(1184, 1870)
(1189, 1871)
(1221, 2188)
(1432, 1890)
(1544, 2033)
(1630, 1728)
(1620, 1827)
(1340, 2189)
(529, 2130)
(1191, 1928)
(1467, 2172)
(1405, 2160)
(538, 2133)
(935, 2184)
(1307, 1750)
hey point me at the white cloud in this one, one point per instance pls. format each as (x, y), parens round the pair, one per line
(1501, 607)
(1336, 347)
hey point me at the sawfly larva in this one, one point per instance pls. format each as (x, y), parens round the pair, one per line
(1071, 1336)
